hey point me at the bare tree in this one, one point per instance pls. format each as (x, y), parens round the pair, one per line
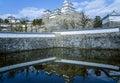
(65, 24)
(84, 20)
(72, 23)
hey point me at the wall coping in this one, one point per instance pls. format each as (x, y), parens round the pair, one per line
(57, 33)
(94, 31)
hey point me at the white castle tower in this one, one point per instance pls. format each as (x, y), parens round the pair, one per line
(67, 7)
(46, 13)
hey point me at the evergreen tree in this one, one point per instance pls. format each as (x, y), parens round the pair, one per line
(24, 22)
(97, 22)
(6, 21)
(36, 23)
(1, 21)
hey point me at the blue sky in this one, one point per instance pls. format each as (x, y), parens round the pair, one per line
(14, 6)
(34, 8)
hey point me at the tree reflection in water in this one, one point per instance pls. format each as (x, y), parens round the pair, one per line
(57, 72)
(64, 73)
(100, 56)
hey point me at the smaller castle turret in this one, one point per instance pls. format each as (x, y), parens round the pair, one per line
(46, 13)
(57, 11)
(111, 20)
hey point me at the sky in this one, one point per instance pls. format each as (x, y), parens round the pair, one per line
(34, 8)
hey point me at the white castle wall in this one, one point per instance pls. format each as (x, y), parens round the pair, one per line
(96, 31)
(24, 35)
(86, 39)
(53, 34)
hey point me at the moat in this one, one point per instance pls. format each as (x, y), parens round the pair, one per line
(52, 72)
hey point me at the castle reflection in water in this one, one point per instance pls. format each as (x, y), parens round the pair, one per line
(58, 72)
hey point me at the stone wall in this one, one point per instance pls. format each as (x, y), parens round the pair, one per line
(20, 44)
(93, 41)
(84, 41)
(111, 24)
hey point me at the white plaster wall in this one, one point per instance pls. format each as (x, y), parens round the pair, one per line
(17, 35)
(25, 35)
(88, 31)
(114, 18)
(106, 20)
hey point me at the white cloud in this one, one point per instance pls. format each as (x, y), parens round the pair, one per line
(75, 4)
(84, 3)
(30, 12)
(6, 15)
(95, 4)
(91, 7)
(98, 7)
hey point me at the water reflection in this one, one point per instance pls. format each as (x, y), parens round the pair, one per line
(101, 56)
(30, 75)
(58, 72)
(39, 74)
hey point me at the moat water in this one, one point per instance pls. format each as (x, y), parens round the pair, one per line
(52, 72)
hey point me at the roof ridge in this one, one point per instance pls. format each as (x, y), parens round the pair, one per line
(114, 13)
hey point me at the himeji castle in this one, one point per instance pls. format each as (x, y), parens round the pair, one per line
(67, 8)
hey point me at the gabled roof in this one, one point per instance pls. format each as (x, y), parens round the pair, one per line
(113, 13)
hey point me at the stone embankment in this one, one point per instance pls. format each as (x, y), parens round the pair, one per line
(84, 39)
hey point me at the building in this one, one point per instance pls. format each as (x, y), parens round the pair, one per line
(111, 20)
(55, 13)
(12, 19)
(67, 8)
(46, 13)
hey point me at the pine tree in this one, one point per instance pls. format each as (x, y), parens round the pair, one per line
(1, 21)
(97, 22)
(6, 21)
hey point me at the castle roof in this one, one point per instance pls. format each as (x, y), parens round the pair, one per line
(67, 8)
(113, 13)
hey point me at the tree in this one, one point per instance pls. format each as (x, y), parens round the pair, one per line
(24, 22)
(34, 22)
(84, 20)
(6, 21)
(65, 24)
(20, 28)
(1, 21)
(37, 22)
(97, 22)
(72, 23)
